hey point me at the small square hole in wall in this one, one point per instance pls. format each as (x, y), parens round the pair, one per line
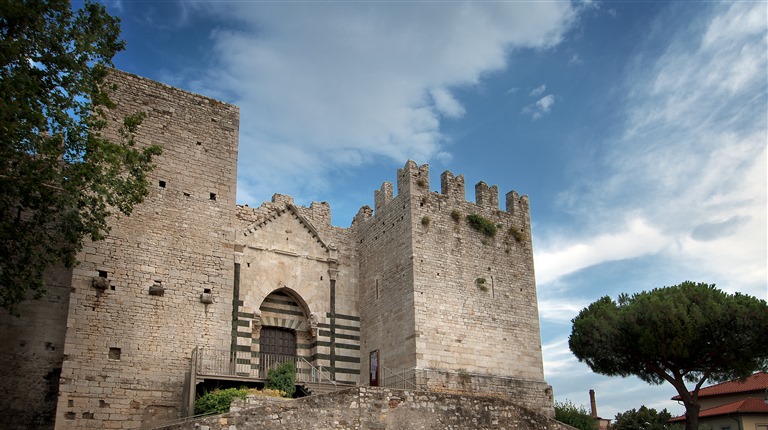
(114, 353)
(213, 196)
(112, 287)
(103, 274)
(207, 290)
(186, 195)
(161, 184)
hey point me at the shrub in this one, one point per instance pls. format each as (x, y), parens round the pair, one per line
(464, 376)
(481, 285)
(456, 215)
(421, 182)
(218, 401)
(516, 234)
(482, 225)
(283, 379)
(425, 220)
(576, 416)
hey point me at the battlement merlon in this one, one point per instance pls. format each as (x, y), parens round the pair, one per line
(487, 196)
(517, 203)
(383, 196)
(453, 187)
(318, 212)
(412, 178)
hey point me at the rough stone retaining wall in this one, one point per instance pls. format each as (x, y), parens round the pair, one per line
(364, 408)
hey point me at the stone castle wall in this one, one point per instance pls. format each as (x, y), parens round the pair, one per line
(189, 268)
(437, 294)
(369, 408)
(388, 321)
(31, 352)
(297, 251)
(127, 349)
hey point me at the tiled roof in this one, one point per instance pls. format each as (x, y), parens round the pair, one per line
(756, 382)
(751, 405)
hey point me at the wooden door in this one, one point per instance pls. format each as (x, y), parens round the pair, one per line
(277, 341)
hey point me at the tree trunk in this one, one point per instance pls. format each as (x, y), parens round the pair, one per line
(692, 415)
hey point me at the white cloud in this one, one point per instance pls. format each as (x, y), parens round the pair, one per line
(561, 309)
(342, 84)
(558, 358)
(635, 239)
(538, 90)
(542, 107)
(446, 104)
(693, 156)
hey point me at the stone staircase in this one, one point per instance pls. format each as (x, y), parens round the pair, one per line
(313, 388)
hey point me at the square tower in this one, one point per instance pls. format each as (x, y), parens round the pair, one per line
(448, 293)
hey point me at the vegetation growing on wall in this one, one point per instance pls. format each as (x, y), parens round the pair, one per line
(481, 284)
(456, 215)
(481, 224)
(218, 401)
(518, 235)
(425, 220)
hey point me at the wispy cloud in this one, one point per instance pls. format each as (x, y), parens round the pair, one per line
(542, 107)
(687, 178)
(630, 241)
(561, 310)
(336, 85)
(538, 90)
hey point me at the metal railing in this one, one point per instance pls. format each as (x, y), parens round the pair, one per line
(222, 362)
(243, 363)
(404, 379)
(269, 362)
(306, 372)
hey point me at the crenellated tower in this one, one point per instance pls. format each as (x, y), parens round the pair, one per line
(447, 289)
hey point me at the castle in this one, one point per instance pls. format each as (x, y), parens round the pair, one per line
(192, 287)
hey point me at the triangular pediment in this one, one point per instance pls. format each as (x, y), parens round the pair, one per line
(286, 231)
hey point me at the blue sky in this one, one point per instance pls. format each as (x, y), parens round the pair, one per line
(638, 129)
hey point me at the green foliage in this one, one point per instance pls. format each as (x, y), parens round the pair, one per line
(568, 413)
(456, 215)
(482, 225)
(464, 377)
(425, 220)
(643, 418)
(518, 235)
(481, 284)
(60, 179)
(690, 332)
(421, 182)
(282, 378)
(218, 401)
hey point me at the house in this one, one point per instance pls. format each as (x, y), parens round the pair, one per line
(733, 405)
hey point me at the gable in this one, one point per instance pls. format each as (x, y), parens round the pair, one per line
(286, 232)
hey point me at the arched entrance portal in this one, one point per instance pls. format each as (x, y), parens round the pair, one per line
(283, 331)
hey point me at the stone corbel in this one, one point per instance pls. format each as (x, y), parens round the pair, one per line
(333, 252)
(100, 283)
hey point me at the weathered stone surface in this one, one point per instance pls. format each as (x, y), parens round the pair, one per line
(413, 281)
(379, 408)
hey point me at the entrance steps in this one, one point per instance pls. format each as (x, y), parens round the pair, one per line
(313, 388)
